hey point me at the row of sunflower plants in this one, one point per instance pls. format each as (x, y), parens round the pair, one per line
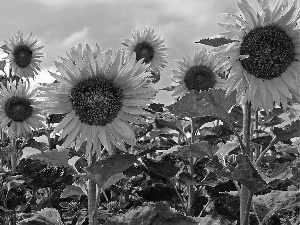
(222, 153)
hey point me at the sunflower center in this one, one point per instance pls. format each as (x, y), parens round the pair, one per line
(18, 109)
(200, 78)
(22, 56)
(96, 101)
(144, 50)
(270, 51)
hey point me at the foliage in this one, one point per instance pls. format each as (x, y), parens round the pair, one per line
(195, 142)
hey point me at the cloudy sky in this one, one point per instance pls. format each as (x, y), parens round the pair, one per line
(61, 24)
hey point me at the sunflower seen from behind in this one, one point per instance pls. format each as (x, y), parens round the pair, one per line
(20, 112)
(101, 93)
(196, 72)
(146, 45)
(264, 59)
(24, 55)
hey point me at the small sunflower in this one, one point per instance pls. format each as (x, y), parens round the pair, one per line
(264, 60)
(147, 46)
(19, 110)
(101, 93)
(197, 72)
(23, 54)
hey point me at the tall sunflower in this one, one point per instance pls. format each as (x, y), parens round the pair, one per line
(197, 72)
(147, 46)
(24, 55)
(264, 60)
(101, 93)
(19, 110)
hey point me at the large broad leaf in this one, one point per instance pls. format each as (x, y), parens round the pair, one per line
(102, 170)
(53, 157)
(206, 103)
(71, 190)
(288, 132)
(47, 216)
(163, 168)
(151, 214)
(215, 42)
(51, 214)
(245, 173)
(112, 180)
(37, 145)
(274, 201)
(199, 150)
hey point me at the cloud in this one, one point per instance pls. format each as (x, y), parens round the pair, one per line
(67, 3)
(76, 37)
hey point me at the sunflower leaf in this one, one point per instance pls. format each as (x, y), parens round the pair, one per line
(199, 150)
(2, 64)
(53, 157)
(278, 200)
(163, 168)
(245, 173)
(288, 132)
(215, 42)
(108, 170)
(71, 190)
(206, 103)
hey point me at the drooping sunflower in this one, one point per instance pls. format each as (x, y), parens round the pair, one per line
(24, 55)
(101, 93)
(20, 112)
(197, 72)
(147, 46)
(264, 59)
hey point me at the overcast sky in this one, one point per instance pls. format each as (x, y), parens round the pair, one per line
(61, 24)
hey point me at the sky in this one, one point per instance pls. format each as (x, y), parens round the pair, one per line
(60, 24)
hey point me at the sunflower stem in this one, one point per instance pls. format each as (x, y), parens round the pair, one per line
(191, 190)
(48, 132)
(14, 156)
(273, 141)
(92, 194)
(245, 195)
(257, 147)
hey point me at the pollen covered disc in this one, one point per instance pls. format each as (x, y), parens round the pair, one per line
(96, 101)
(22, 55)
(144, 50)
(18, 109)
(200, 78)
(270, 52)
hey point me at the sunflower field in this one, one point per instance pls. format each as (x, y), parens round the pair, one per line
(93, 147)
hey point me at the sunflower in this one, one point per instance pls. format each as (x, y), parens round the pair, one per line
(147, 46)
(19, 110)
(197, 72)
(23, 54)
(101, 93)
(264, 59)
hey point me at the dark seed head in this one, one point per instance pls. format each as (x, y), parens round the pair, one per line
(270, 50)
(200, 78)
(96, 101)
(18, 109)
(144, 50)
(22, 55)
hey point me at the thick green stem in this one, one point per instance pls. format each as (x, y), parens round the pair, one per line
(191, 190)
(92, 195)
(257, 146)
(14, 156)
(245, 196)
(274, 140)
(48, 132)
